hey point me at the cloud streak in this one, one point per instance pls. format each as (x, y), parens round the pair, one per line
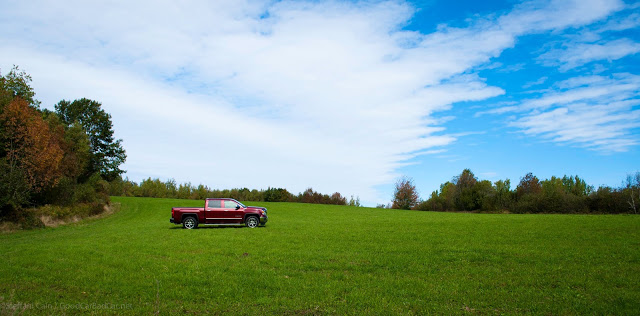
(595, 112)
(578, 54)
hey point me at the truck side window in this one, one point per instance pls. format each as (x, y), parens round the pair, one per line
(230, 204)
(215, 204)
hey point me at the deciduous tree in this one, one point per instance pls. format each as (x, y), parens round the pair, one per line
(633, 187)
(16, 84)
(503, 195)
(31, 155)
(405, 195)
(529, 184)
(30, 145)
(483, 194)
(465, 199)
(107, 153)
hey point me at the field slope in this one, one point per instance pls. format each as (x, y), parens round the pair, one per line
(319, 259)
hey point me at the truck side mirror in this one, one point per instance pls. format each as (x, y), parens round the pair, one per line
(237, 207)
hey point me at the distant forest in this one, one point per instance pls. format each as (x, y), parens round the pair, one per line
(569, 194)
(170, 189)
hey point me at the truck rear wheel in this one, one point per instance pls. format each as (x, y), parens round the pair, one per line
(190, 222)
(252, 222)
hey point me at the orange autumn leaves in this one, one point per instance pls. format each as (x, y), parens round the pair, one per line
(31, 145)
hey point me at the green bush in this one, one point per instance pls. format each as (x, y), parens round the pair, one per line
(80, 210)
(28, 219)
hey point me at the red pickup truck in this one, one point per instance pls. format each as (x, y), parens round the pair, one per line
(219, 212)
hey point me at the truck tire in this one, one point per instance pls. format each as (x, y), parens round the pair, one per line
(190, 222)
(252, 221)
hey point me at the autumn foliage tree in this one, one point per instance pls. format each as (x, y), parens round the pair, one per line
(405, 196)
(30, 157)
(43, 159)
(528, 194)
(30, 145)
(529, 184)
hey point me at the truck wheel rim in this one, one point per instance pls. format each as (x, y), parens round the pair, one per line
(189, 223)
(253, 222)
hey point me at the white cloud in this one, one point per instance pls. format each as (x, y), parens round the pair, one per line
(595, 112)
(600, 41)
(629, 22)
(543, 15)
(333, 95)
(537, 82)
(578, 54)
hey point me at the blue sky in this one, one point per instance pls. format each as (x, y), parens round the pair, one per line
(345, 96)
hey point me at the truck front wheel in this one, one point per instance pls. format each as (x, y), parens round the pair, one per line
(190, 223)
(252, 221)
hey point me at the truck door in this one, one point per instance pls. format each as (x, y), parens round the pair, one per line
(233, 211)
(214, 212)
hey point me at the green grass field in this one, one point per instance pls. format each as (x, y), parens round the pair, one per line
(319, 259)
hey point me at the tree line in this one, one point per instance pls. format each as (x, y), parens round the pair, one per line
(569, 194)
(62, 158)
(170, 189)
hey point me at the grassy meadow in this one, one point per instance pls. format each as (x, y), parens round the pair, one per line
(321, 259)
